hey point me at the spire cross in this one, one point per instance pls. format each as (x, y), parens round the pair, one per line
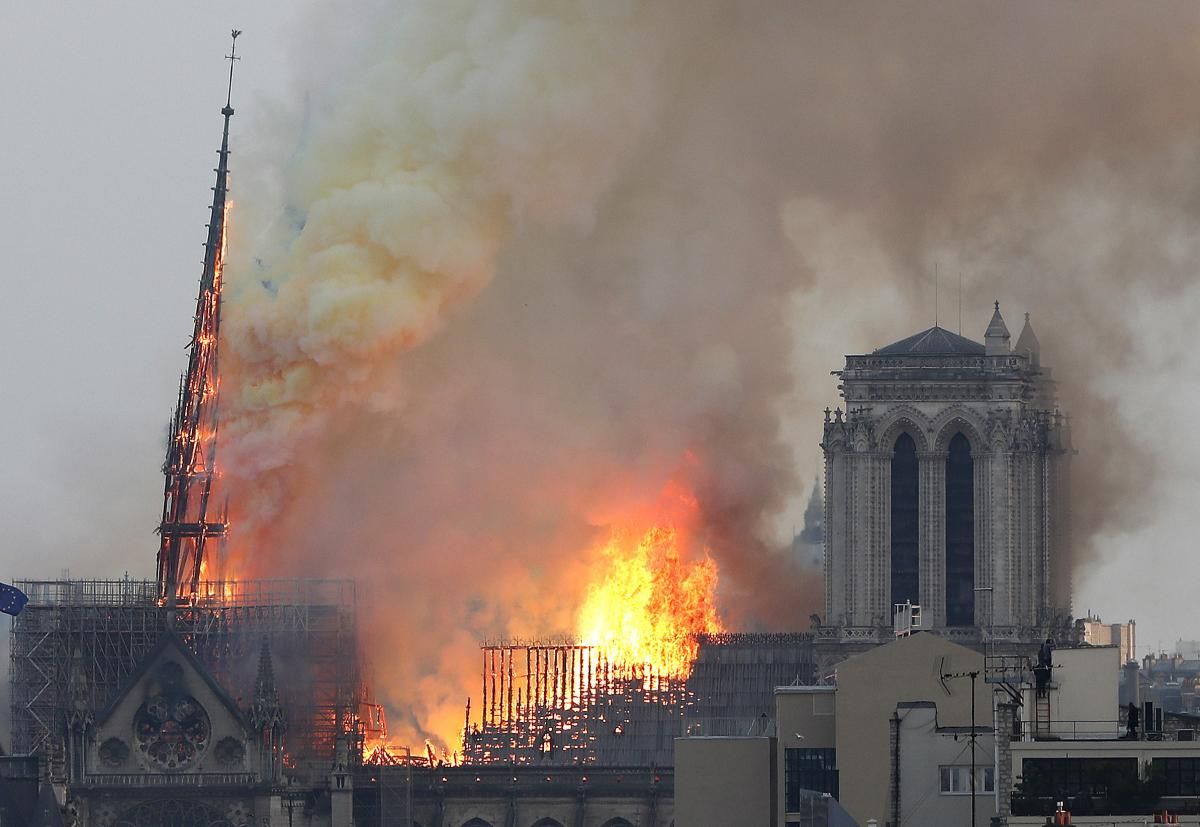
(231, 57)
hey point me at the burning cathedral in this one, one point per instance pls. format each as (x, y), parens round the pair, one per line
(189, 701)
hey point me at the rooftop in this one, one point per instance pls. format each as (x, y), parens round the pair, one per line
(935, 340)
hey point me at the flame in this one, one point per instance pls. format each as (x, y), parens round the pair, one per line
(646, 610)
(223, 588)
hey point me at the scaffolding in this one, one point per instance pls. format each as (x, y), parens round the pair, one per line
(561, 702)
(101, 630)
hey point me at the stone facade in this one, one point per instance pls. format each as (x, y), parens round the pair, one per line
(1009, 565)
(172, 748)
(515, 796)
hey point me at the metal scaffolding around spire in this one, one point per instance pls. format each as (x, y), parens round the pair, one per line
(190, 464)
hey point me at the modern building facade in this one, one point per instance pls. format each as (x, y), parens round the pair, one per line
(946, 487)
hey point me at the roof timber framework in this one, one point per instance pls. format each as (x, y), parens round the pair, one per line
(561, 703)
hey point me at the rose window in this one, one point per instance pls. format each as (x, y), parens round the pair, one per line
(171, 728)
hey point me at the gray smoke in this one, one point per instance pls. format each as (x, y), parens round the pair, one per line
(650, 280)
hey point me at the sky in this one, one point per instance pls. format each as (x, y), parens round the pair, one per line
(113, 130)
(113, 122)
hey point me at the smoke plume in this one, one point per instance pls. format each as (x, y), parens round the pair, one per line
(513, 267)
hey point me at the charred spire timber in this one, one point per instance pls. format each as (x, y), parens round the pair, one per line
(190, 464)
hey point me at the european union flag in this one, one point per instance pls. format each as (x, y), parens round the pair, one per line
(12, 599)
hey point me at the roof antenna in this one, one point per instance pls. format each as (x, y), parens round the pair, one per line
(960, 302)
(935, 294)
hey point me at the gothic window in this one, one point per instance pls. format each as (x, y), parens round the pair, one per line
(114, 752)
(960, 533)
(171, 728)
(229, 752)
(905, 521)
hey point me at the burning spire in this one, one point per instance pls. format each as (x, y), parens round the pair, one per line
(192, 444)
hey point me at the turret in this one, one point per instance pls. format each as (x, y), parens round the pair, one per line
(266, 716)
(996, 338)
(1027, 343)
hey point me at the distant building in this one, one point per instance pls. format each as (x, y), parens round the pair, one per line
(1095, 632)
(1171, 681)
(946, 487)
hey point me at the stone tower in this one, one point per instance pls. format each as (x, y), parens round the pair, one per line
(946, 486)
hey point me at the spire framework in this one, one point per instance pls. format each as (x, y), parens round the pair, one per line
(190, 464)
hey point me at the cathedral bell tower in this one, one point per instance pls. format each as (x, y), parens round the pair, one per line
(946, 487)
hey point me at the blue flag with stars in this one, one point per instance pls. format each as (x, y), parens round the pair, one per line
(12, 599)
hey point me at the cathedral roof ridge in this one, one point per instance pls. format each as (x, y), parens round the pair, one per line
(933, 341)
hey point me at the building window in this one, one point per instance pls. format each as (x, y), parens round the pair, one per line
(1179, 776)
(1064, 777)
(960, 533)
(956, 780)
(906, 576)
(808, 769)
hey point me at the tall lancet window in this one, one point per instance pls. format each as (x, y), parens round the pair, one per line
(905, 520)
(960, 534)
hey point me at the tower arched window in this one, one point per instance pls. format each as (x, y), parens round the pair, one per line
(960, 533)
(906, 496)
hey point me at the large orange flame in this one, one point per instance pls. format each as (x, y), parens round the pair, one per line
(645, 612)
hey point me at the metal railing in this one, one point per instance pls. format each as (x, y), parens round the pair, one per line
(1106, 730)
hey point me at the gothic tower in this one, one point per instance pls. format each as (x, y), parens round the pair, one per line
(945, 486)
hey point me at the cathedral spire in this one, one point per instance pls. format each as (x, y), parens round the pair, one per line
(192, 443)
(996, 338)
(1027, 343)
